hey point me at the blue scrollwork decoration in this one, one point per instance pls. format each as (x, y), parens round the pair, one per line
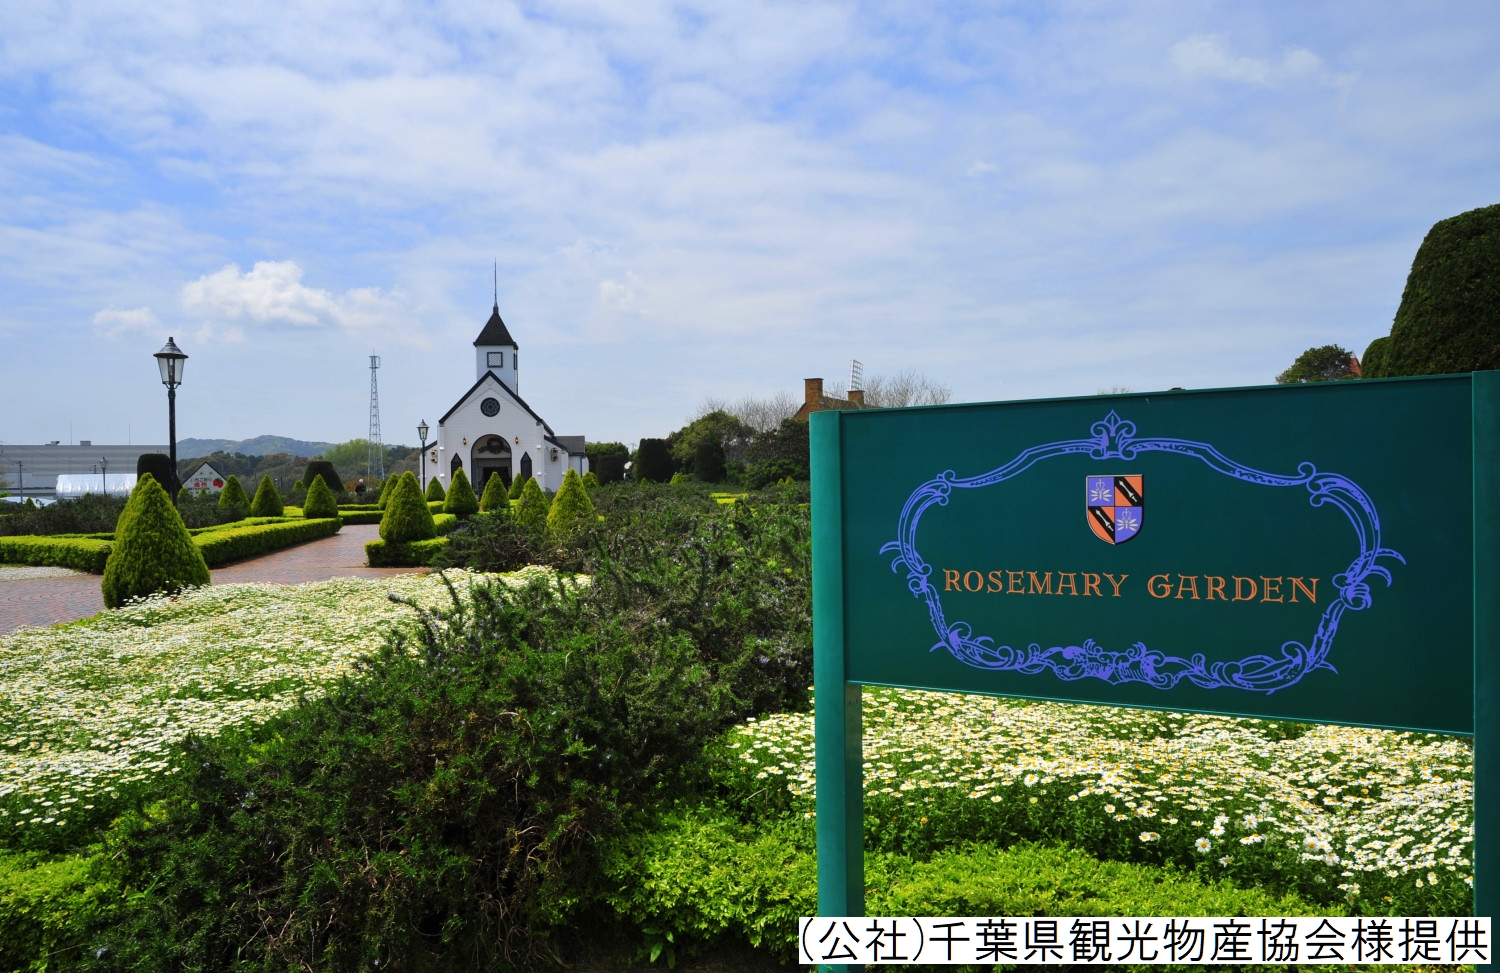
(1115, 438)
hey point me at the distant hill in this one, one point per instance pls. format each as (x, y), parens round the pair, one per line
(259, 446)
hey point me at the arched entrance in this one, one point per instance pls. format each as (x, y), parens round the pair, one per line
(489, 456)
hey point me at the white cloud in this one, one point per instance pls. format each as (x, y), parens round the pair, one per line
(115, 322)
(272, 293)
(623, 295)
(1208, 56)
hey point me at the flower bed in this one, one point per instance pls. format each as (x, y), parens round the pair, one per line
(89, 709)
(1380, 819)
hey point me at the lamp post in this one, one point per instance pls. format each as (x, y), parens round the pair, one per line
(104, 475)
(171, 360)
(422, 430)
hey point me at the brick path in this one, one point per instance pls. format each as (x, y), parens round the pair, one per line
(47, 601)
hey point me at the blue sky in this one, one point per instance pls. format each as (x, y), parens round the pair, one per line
(690, 200)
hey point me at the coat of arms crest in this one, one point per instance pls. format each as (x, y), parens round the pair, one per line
(1116, 507)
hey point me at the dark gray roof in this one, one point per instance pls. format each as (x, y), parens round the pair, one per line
(573, 444)
(494, 332)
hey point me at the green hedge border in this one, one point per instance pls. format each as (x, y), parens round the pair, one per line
(79, 553)
(219, 546)
(223, 546)
(413, 554)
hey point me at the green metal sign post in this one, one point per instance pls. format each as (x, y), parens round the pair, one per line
(1325, 553)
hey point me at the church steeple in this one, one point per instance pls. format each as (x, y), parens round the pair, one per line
(495, 350)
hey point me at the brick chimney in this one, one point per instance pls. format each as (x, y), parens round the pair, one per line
(812, 394)
(857, 398)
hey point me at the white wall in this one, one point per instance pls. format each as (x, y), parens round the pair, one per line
(468, 425)
(509, 374)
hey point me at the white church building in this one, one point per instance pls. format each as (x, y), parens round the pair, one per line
(491, 430)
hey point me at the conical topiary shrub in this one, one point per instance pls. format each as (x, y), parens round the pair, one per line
(153, 550)
(460, 501)
(516, 486)
(159, 465)
(435, 490)
(267, 502)
(323, 468)
(531, 515)
(590, 481)
(385, 491)
(494, 499)
(233, 493)
(320, 502)
(572, 509)
(406, 515)
(299, 485)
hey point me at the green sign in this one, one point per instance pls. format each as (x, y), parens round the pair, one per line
(1324, 553)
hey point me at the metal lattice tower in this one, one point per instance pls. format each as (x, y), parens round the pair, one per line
(375, 459)
(856, 374)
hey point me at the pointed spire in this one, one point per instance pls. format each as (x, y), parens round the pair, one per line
(497, 287)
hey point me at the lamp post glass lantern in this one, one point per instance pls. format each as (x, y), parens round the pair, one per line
(171, 361)
(422, 430)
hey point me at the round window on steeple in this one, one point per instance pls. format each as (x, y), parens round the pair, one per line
(490, 407)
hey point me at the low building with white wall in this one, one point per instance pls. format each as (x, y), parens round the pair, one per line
(492, 431)
(32, 471)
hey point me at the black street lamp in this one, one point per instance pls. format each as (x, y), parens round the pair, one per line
(422, 430)
(171, 360)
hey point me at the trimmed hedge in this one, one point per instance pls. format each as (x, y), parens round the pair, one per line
(1449, 318)
(267, 502)
(159, 465)
(531, 513)
(152, 550)
(571, 508)
(223, 546)
(219, 545)
(233, 493)
(320, 503)
(46, 904)
(460, 499)
(435, 490)
(323, 468)
(412, 554)
(494, 495)
(79, 553)
(1372, 364)
(407, 517)
(697, 878)
(352, 517)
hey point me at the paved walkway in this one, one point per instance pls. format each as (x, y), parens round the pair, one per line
(65, 596)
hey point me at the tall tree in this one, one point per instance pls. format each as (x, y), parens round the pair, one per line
(1326, 363)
